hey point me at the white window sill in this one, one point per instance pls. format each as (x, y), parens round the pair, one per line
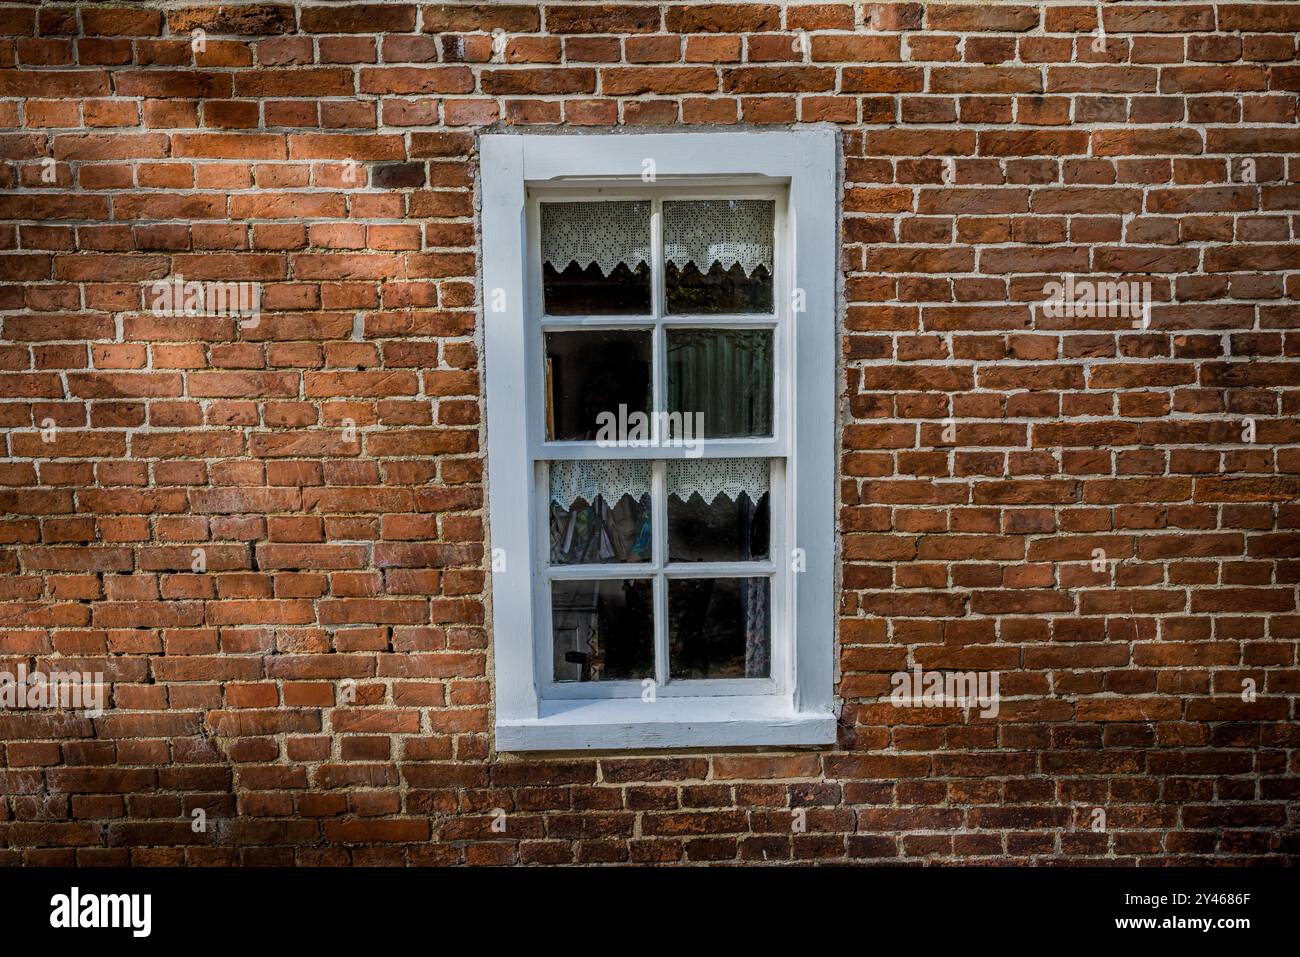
(620, 723)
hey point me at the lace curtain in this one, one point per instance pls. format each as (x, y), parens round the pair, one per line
(711, 478)
(703, 232)
(602, 233)
(723, 231)
(611, 479)
(608, 479)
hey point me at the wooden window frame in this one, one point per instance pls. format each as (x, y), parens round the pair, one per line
(798, 170)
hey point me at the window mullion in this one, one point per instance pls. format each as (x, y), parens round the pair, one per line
(657, 257)
(658, 497)
(659, 352)
(659, 539)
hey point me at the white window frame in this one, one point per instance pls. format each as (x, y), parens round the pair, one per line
(796, 706)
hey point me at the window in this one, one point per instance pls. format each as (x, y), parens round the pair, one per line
(660, 363)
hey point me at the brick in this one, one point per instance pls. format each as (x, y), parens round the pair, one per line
(538, 82)
(359, 18)
(609, 18)
(262, 19)
(413, 80)
(659, 80)
(974, 17)
(511, 18)
(723, 18)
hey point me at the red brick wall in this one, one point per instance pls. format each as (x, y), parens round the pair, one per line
(327, 560)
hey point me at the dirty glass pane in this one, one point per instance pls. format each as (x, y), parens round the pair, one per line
(586, 292)
(603, 630)
(600, 512)
(721, 379)
(718, 256)
(716, 515)
(589, 373)
(596, 258)
(719, 628)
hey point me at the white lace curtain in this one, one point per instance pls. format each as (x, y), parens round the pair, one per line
(711, 478)
(602, 233)
(723, 231)
(703, 232)
(611, 479)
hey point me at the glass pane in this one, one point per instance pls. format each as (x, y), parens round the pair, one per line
(603, 630)
(590, 373)
(718, 510)
(718, 255)
(720, 381)
(719, 628)
(596, 258)
(600, 512)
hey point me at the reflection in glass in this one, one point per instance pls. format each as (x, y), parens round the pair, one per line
(719, 628)
(592, 372)
(596, 258)
(603, 630)
(719, 531)
(691, 292)
(585, 528)
(575, 291)
(725, 375)
(718, 256)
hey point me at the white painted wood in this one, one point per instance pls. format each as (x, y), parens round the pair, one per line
(798, 170)
(511, 477)
(695, 688)
(659, 540)
(569, 158)
(615, 723)
(675, 569)
(705, 448)
(569, 323)
(814, 241)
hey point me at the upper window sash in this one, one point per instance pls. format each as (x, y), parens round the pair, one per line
(540, 322)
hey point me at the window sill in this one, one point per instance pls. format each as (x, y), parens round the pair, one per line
(622, 723)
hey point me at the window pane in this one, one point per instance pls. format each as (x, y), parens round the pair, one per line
(589, 373)
(596, 258)
(719, 628)
(600, 512)
(718, 510)
(603, 630)
(722, 380)
(718, 255)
